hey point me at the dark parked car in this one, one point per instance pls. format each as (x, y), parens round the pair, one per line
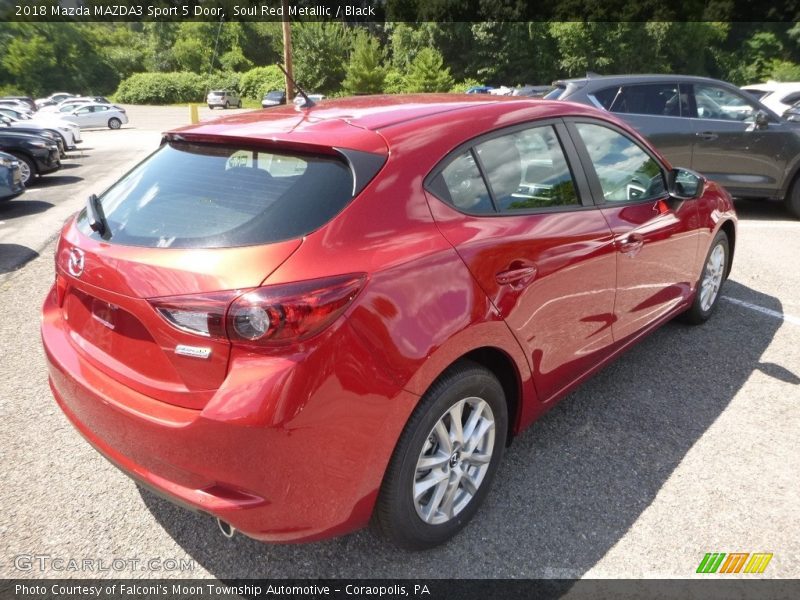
(11, 184)
(711, 126)
(37, 155)
(273, 98)
(385, 295)
(8, 126)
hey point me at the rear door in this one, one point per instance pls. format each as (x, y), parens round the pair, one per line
(730, 149)
(516, 207)
(655, 238)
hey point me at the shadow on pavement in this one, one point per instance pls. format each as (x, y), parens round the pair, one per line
(762, 210)
(21, 208)
(14, 256)
(54, 179)
(569, 488)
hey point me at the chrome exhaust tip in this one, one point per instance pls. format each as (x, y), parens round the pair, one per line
(226, 528)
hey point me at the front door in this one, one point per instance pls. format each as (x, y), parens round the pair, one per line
(655, 237)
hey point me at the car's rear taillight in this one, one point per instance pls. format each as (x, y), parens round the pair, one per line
(270, 315)
(202, 314)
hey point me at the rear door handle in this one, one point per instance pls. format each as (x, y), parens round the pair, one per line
(631, 243)
(518, 275)
(707, 135)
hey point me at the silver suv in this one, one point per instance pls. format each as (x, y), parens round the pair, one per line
(223, 98)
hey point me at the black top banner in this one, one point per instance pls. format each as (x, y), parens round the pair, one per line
(364, 11)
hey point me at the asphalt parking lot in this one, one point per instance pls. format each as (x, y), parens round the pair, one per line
(689, 444)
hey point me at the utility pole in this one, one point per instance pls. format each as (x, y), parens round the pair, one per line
(287, 50)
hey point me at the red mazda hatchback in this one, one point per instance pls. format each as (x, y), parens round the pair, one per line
(303, 320)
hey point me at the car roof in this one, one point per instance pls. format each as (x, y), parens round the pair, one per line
(644, 78)
(361, 122)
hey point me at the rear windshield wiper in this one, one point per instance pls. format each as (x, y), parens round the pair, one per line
(97, 218)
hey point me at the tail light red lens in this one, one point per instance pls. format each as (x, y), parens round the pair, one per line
(270, 315)
(291, 312)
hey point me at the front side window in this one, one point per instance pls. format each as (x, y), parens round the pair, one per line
(527, 170)
(721, 104)
(626, 172)
(662, 99)
(208, 196)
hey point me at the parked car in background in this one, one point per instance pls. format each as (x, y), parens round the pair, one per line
(14, 113)
(11, 184)
(386, 295)
(96, 115)
(66, 132)
(35, 129)
(17, 105)
(479, 89)
(37, 155)
(223, 99)
(53, 99)
(25, 99)
(273, 98)
(712, 126)
(532, 91)
(69, 130)
(778, 96)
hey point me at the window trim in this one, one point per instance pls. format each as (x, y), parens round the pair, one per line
(591, 173)
(574, 164)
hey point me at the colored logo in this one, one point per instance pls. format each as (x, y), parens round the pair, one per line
(735, 562)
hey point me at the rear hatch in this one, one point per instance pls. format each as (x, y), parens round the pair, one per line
(143, 294)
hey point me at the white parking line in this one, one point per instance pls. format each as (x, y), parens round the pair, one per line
(766, 311)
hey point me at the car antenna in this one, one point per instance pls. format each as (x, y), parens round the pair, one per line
(308, 101)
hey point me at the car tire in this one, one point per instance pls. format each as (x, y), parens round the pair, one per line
(27, 168)
(420, 507)
(714, 274)
(114, 123)
(792, 199)
(210, 107)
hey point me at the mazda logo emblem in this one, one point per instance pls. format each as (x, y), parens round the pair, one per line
(75, 262)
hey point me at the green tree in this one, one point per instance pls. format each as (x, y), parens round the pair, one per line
(260, 80)
(427, 73)
(320, 55)
(365, 71)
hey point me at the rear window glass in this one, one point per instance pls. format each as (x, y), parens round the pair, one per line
(208, 196)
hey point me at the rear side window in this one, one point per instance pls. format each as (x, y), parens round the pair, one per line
(663, 99)
(465, 186)
(209, 196)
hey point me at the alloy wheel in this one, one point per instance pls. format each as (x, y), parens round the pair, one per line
(454, 460)
(712, 277)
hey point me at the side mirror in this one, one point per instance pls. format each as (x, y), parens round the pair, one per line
(683, 184)
(761, 120)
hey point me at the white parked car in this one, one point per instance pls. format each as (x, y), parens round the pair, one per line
(223, 98)
(775, 95)
(15, 105)
(70, 133)
(97, 115)
(53, 99)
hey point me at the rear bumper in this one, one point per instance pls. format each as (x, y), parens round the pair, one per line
(276, 471)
